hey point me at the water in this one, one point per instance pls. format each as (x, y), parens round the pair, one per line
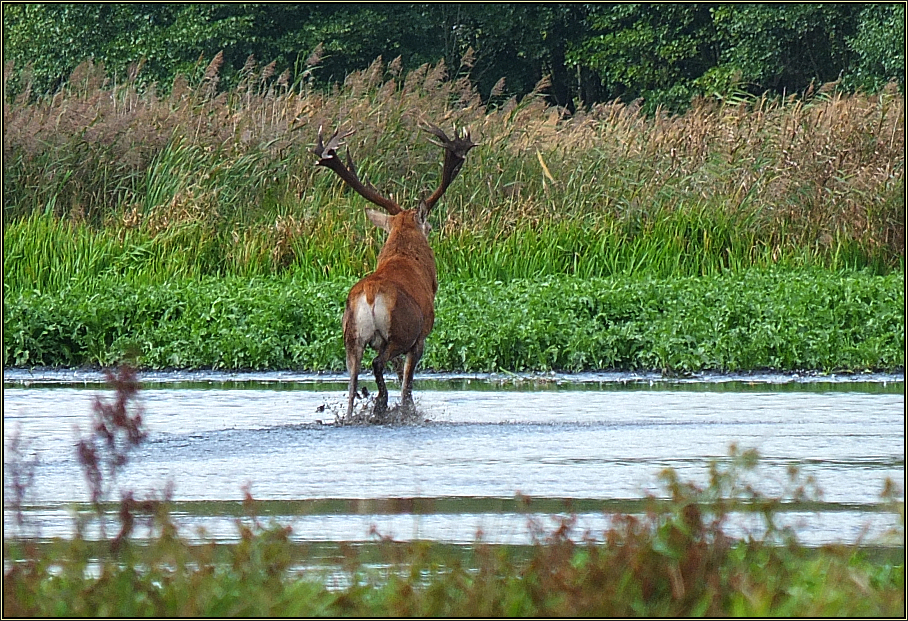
(590, 444)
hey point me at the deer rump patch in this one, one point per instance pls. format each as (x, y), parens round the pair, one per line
(369, 320)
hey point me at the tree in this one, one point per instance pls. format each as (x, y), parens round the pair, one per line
(663, 53)
(653, 51)
(171, 38)
(785, 47)
(879, 46)
(521, 43)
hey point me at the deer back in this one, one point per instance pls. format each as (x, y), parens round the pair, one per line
(406, 269)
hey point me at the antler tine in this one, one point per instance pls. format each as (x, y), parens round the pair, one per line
(327, 151)
(327, 154)
(460, 144)
(352, 168)
(435, 131)
(456, 150)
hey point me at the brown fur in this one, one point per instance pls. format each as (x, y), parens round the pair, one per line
(393, 309)
(406, 280)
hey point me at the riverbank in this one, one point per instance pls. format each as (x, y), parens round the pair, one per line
(762, 234)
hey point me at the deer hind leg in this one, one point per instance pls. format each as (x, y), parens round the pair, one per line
(354, 360)
(406, 385)
(397, 363)
(378, 367)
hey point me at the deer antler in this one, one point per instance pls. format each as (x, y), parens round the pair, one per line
(327, 154)
(456, 150)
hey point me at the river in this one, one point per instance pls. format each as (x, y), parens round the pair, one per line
(589, 445)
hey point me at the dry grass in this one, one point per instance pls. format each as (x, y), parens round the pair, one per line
(805, 172)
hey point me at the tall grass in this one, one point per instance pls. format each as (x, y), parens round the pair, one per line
(45, 253)
(206, 182)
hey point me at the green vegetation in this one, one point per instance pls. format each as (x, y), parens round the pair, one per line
(674, 562)
(783, 320)
(228, 180)
(195, 231)
(664, 54)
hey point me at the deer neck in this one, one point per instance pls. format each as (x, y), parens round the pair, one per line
(406, 243)
(410, 246)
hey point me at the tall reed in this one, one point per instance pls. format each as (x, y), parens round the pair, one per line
(222, 182)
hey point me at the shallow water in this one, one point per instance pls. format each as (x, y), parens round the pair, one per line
(590, 444)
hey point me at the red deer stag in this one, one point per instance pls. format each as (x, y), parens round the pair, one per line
(393, 309)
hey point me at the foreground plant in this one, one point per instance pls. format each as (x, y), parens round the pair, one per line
(675, 560)
(672, 562)
(116, 429)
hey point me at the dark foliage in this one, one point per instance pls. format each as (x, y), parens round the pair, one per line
(663, 53)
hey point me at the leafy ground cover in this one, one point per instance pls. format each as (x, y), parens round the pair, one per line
(777, 319)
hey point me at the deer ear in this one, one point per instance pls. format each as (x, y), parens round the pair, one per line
(379, 219)
(422, 211)
(422, 218)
